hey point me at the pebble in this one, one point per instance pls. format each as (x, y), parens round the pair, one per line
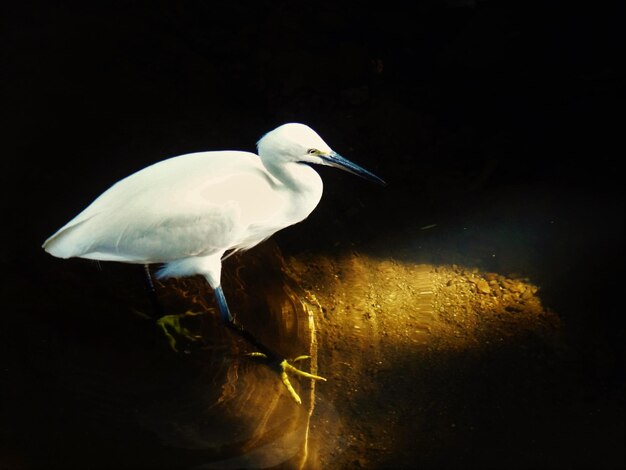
(483, 286)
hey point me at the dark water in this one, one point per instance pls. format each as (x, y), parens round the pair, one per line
(88, 391)
(93, 382)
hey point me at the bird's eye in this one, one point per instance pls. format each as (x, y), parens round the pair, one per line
(312, 151)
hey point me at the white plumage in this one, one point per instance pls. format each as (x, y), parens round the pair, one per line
(188, 211)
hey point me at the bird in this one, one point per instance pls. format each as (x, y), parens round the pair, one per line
(188, 213)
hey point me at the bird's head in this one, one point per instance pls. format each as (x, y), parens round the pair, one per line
(295, 142)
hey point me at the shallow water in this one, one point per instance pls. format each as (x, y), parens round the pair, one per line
(429, 364)
(117, 395)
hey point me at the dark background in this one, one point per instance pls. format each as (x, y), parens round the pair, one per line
(472, 111)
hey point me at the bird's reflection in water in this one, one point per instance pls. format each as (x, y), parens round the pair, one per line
(235, 410)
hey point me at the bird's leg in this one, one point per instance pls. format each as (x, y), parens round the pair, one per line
(281, 365)
(154, 298)
(167, 322)
(172, 322)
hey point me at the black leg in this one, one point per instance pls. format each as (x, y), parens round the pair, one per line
(230, 321)
(277, 363)
(154, 298)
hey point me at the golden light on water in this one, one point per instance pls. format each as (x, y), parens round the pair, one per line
(383, 332)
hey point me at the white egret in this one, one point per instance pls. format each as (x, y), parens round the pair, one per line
(188, 212)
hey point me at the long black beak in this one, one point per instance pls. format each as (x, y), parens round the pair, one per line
(336, 160)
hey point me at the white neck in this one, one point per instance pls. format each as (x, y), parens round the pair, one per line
(303, 184)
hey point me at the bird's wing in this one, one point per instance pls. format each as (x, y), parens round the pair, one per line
(192, 205)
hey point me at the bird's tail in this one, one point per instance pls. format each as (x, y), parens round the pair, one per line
(64, 243)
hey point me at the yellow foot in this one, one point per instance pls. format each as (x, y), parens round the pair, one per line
(172, 322)
(285, 367)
